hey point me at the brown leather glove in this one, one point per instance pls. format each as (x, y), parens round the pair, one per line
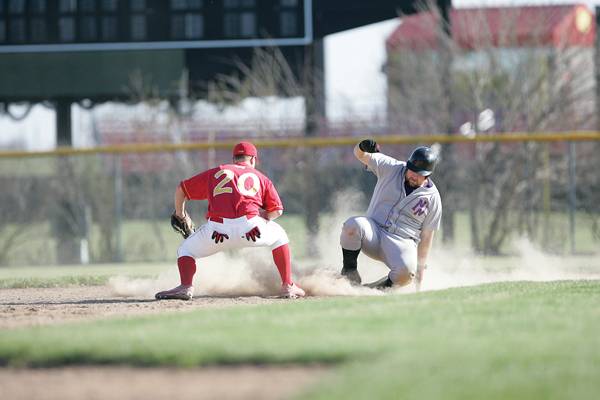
(183, 226)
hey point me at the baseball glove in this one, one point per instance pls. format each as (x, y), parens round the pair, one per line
(369, 146)
(183, 226)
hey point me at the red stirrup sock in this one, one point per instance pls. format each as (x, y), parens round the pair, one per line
(187, 269)
(281, 256)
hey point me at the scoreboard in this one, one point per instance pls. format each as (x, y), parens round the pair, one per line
(88, 25)
(71, 50)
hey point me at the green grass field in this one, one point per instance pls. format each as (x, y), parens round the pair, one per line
(78, 275)
(497, 341)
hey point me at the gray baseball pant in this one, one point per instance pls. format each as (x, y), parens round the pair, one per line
(397, 253)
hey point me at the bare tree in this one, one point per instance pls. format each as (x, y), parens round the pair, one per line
(530, 87)
(18, 212)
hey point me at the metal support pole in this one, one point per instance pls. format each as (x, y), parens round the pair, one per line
(314, 101)
(68, 219)
(118, 256)
(449, 149)
(572, 194)
(63, 123)
(597, 67)
(546, 195)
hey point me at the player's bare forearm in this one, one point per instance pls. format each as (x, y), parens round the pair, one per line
(424, 246)
(362, 156)
(179, 202)
(271, 215)
(422, 253)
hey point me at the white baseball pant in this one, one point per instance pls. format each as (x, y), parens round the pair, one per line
(200, 244)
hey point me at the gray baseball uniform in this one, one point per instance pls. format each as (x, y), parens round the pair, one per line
(392, 228)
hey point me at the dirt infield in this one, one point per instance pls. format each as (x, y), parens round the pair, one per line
(40, 306)
(246, 382)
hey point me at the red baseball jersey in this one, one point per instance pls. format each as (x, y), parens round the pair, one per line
(233, 191)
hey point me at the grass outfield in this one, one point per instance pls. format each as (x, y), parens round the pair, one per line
(505, 340)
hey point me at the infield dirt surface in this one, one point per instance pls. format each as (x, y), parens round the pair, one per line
(42, 306)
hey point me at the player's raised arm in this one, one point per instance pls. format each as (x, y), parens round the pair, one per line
(364, 149)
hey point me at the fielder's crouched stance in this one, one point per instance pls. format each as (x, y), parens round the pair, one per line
(403, 215)
(242, 204)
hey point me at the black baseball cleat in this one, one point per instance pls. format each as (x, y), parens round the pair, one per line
(352, 275)
(383, 283)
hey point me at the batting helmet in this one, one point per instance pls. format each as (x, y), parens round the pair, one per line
(422, 161)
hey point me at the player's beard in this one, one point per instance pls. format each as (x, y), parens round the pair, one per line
(412, 182)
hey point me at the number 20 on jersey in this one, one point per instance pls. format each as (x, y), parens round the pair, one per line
(228, 176)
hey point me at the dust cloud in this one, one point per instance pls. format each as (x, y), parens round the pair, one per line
(251, 272)
(451, 268)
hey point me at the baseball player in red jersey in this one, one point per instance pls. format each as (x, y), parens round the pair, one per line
(242, 204)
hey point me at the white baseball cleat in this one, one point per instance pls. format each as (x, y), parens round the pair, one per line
(181, 292)
(292, 291)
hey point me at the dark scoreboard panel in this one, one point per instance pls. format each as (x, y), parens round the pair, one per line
(91, 49)
(77, 49)
(84, 25)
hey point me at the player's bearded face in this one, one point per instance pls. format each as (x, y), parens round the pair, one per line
(414, 179)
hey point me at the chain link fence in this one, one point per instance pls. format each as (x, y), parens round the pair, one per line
(115, 207)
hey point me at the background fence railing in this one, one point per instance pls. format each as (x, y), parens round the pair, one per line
(112, 203)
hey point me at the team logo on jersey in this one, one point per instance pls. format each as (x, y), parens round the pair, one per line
(420, 207)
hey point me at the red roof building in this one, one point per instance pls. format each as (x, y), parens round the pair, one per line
(540, 58)
(531, 26)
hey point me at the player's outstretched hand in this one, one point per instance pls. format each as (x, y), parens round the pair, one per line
(253, 234)
(369, 146)
(219, 237)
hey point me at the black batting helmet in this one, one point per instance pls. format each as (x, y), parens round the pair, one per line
(422, 161)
